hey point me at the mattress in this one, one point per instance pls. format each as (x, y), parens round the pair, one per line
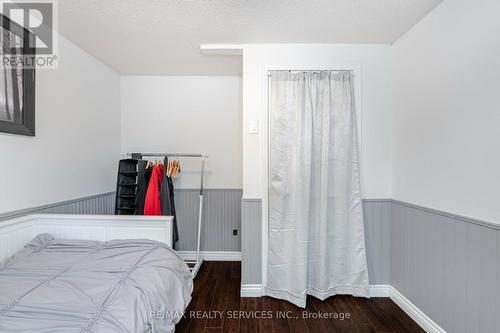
(58, 285)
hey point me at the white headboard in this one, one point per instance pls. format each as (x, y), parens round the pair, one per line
(16, 233)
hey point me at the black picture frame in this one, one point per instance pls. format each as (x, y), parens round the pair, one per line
(27, 125)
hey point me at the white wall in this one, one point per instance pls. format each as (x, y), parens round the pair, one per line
(191, 114)
(76, 146)
(447, 111)
(374, 61)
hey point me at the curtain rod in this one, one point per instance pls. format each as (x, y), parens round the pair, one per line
(308, 70)
(179, 155)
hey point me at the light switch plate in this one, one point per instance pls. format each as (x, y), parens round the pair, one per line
(253, 128)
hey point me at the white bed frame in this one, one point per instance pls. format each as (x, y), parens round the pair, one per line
(16, 233)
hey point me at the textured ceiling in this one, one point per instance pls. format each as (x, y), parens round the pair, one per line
(146, 37)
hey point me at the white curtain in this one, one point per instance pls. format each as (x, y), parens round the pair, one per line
(316, 232)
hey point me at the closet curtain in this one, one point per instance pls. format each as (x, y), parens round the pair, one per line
(316, 233)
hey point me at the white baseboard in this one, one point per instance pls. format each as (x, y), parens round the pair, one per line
(414, 312)
(407, 306)
(381, 290)
(251, 290)
(211, 255)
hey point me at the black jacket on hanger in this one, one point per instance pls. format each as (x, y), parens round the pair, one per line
(143, 177)
(167, 201)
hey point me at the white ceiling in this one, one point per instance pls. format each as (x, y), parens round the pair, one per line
(147, 37)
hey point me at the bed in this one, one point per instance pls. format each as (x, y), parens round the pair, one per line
(88, 273)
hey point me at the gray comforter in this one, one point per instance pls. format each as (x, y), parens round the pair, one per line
(56, 285)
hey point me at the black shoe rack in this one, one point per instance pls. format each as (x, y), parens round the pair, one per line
(126, 187)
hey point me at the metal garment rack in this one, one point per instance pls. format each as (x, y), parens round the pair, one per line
(199, 260)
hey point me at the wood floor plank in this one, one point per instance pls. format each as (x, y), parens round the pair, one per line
(396, 316)
(201, 278)
(212, 330)
(279, 322)
(335, 305)
(296, 320)
(217, 288)
(375, 317)
(231, 324)
(329, 324)
(358, 315)
(365, 328)
(247, 308)
(204, 301)
(222, 291)
(264, 305)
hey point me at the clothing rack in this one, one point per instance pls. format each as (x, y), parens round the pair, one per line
(198, 261)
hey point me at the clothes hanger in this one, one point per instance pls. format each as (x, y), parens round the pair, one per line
(177, 168)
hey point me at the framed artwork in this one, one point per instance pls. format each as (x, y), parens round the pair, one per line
(17, 80)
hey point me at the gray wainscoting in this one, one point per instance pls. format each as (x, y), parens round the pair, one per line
(377, 214)
(222, 215)
(95, 204)
(448, 266)
(251, 244)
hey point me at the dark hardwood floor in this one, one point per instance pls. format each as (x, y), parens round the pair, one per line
(217, 307)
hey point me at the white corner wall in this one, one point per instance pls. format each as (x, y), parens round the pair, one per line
(446, 110)
(186, 114)
(76, 147)
(374, 62)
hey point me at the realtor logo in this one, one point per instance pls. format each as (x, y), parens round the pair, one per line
(36, 18)
(32, 25)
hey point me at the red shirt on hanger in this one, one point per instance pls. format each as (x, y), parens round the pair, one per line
(152, 205)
